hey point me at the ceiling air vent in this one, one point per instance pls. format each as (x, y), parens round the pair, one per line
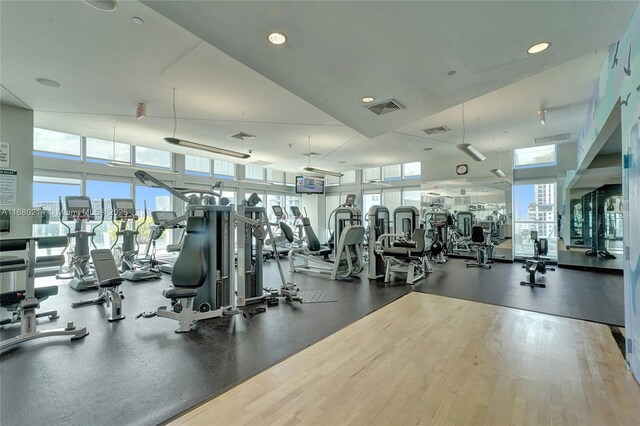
(311, 154)
(260, 163)
(385, 107)
(436, 130)
(243, 136)
(560, 137)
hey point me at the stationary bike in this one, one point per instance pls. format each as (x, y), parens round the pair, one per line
(124, 210)
(537, 263)
(78, 209)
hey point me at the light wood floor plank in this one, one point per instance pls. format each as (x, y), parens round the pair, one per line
(427, 359)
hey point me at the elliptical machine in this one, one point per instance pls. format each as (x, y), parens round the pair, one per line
(79, 210)
(124, 210)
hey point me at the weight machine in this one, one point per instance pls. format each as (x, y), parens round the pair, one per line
(537, 264)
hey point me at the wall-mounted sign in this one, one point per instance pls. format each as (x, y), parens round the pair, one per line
(5, 155)
(8, 187)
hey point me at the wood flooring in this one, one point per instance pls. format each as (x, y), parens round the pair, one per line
(427, 359)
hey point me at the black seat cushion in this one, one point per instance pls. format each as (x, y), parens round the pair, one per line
(113, 282)
(177, 293)
(313, 243)
(477, 234)
(286, 231)
(190, 268)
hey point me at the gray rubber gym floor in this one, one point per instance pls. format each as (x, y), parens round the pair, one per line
(141, 372)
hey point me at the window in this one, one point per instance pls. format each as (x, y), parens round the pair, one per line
(290, 179)
(46, 194)
(411, 197)
(393, 172)
(293, 200)
(370, 199)
(332, 201)
(536, 156)
(103, 151)
(332, 181)
(224, 169)
(157, 199)
(253, 172)
(47, 143)
(274, 200)
(535, 210)
(197, 165)
(99, 190)
(153, 157)
(391, 199)
(275, 176)
(411, 170)
(348, 177)
(372, 173)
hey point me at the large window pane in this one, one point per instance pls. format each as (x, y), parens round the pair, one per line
(411, 170)
(391, 199)
(56, 144)
(332, 181)
(99, 190)
(157, 199)
(370, 199)
(393, 172)
(253, 172)
(99, 149)
(46, 193)
(153, 157)
(224, 169)
(348, 177)
(534, 210)
(536, 156)
(411, 197)
(197, 165)
(332, 201)
(372, 173)
(275, 176)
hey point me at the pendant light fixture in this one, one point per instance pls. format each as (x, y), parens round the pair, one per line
(188, 144)
(309, 168)
(497, 172)
(467, 148)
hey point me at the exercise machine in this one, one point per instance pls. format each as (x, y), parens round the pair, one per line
(537, 264)
(297, 222)
(109, 281)
(482, 247)
(163, 221)
(379, 224)
(438, 220)
(346, 214)
(25, 302)
(124, 210)
(78, 209)
(250, 253)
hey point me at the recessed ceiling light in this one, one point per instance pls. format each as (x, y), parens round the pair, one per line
(105, 5)
(452, 72)
(427, 149)
(537, 48)
(47, 82)
(368, 99)
(277, 38)
(137, 20)
(342, 162)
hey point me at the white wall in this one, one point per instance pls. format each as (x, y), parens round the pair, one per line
(16, 128)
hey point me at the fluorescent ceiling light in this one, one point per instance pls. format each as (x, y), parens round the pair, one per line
(122, 165)
(277, 38)
(368, 99)
(497, 172)
(472, 152)
(323, 171)
(539, 47)
(215, 150)
(542, 113)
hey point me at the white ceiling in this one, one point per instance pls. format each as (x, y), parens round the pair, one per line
(337, 52)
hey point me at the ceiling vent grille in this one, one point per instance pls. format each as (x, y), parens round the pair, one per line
(385, 107)
(260, 163)
(560, 137)
(436, 130)
(243, 136)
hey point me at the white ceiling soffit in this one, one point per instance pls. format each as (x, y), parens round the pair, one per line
(338, 52)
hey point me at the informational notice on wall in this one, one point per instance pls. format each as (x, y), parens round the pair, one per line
(5, 157)
(8, 187)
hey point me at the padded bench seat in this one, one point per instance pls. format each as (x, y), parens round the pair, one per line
(11, 298)
(177, 293)
(401, 252)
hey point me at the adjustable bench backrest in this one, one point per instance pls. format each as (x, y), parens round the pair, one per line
(286, 231)
(106, 269)
(190, 268)
(477, 234)
(313, 243)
